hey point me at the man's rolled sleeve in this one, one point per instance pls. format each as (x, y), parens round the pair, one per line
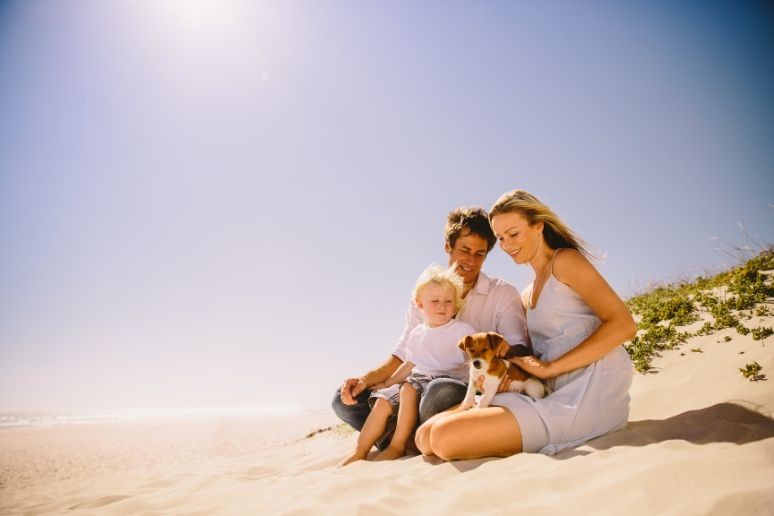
(512, 322)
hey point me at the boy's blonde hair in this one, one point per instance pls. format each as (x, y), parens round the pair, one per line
(445, 278)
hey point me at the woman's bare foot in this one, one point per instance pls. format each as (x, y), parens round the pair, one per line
(390, 453)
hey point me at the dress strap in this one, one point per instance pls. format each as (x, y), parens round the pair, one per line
(552, 260)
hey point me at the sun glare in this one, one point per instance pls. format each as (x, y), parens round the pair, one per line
(200, 13)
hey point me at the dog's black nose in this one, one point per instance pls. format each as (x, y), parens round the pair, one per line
(477, 364)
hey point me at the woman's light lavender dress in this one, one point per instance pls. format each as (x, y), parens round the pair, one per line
(584, 403)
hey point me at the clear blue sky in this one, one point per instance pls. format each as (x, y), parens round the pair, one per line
(207, 203)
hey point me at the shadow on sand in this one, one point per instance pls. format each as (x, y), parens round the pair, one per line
(729, 422)
(735, 422)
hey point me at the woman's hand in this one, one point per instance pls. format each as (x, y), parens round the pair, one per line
(534, 366)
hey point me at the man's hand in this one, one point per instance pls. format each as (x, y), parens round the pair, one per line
(503, 387)
(350, 389)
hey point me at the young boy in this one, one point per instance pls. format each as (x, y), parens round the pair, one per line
(431, 352)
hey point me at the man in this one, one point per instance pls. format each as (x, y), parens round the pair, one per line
(491, 304)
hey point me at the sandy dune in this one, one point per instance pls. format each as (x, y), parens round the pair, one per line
(700, 441)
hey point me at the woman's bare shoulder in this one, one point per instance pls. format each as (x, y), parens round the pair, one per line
(568, 261)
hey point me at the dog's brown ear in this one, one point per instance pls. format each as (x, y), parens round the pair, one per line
(519, 350)
(464, 341)
(498, 343)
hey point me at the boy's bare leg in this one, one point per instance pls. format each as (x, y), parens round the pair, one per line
(408, 412)
(371, 432)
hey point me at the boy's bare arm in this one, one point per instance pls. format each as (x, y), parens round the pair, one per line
(397, 377)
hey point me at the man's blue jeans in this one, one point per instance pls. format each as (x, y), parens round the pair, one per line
(441, 394)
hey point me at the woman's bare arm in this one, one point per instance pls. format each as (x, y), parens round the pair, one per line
(575, 271)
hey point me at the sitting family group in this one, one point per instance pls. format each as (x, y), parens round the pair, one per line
(566, 330)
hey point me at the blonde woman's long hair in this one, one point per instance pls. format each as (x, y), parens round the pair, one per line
(555, 232)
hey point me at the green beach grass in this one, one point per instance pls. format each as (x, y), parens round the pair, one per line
(730, 297)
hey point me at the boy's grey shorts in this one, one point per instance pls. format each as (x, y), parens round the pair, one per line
(392, 393)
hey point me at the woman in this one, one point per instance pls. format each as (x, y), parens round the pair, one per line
(577, 325)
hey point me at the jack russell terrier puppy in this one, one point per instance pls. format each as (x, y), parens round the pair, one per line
(484, 351)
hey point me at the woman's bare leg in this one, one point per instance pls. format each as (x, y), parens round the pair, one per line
(422, 438)
(408, 412)
(371, 432)
(475, 433)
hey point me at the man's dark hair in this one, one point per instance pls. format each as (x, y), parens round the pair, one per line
(475, 220)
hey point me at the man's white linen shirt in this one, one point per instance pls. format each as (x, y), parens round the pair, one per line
(491, 305)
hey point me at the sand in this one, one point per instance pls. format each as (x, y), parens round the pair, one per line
(700, 441)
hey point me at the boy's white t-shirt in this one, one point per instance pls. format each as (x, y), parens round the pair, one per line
(436, 352)
(492, 305)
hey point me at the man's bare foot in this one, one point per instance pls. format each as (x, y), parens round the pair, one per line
(355, 456)
(390, 453)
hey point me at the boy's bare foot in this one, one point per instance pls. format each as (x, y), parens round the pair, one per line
(390, 453)
(355, 456)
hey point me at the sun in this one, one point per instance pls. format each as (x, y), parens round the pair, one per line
(199, 13)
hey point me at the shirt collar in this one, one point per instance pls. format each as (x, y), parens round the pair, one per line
(482, 284)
